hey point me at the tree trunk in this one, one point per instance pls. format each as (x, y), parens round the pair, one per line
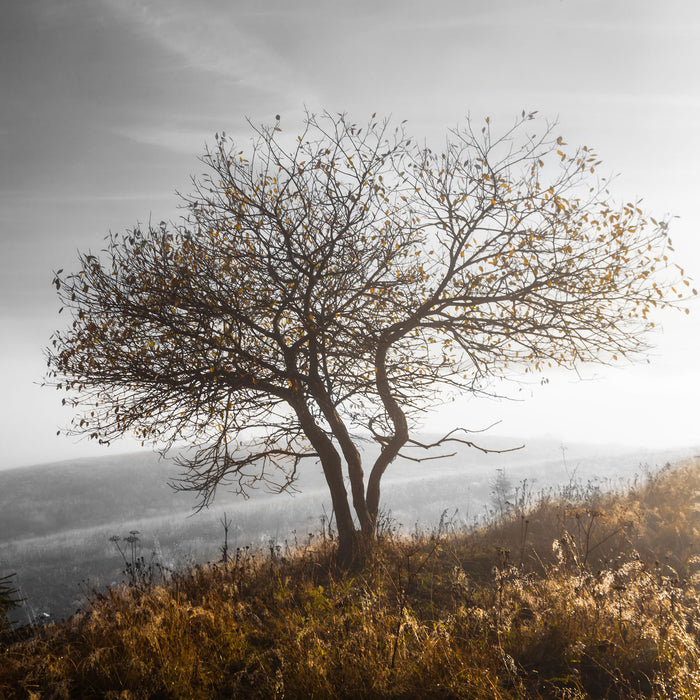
(392, 447)
(341, 434)
(354, 462)
(333, 471)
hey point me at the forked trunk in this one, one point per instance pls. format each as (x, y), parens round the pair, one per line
(331, 464)
(392, 447)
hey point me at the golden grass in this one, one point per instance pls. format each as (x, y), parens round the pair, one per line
(581, 595)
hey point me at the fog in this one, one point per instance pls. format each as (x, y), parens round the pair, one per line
(56, 520)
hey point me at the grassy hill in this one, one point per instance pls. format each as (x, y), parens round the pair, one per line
(573, 594)
(56, 520)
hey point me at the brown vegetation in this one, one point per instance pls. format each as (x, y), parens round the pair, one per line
(580, 594)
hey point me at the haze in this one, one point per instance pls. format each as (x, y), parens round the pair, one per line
(105, 106)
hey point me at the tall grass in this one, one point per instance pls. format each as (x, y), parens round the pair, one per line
(570, 595)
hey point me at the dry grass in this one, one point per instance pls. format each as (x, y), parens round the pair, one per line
(578, 595)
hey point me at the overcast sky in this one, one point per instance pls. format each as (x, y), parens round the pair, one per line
(105, 106)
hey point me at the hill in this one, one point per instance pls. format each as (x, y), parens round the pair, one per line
(56, 520)
(583, 594)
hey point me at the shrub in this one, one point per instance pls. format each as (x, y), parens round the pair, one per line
(8, 600)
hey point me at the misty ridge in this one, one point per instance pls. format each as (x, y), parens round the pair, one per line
(56, 520)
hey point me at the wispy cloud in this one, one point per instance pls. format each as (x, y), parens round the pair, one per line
(26, 197)
(210, 36)
(179, 139)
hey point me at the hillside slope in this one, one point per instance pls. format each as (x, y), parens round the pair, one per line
(56, 520)
(581, 594)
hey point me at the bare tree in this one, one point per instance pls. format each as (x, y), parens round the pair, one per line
(341, 283)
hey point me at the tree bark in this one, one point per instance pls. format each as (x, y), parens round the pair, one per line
(341, 434)
(392, 447)
(333, 471)
(354, 462)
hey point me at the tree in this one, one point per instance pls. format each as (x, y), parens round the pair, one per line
(502, 493)
(342, 283)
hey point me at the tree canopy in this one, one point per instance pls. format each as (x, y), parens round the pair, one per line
(339, 283)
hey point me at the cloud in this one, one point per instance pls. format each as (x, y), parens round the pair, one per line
(179, 139)
(211, 37)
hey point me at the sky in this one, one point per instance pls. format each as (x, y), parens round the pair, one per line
(105, 106)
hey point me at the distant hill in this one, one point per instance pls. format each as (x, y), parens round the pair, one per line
(46, 499)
